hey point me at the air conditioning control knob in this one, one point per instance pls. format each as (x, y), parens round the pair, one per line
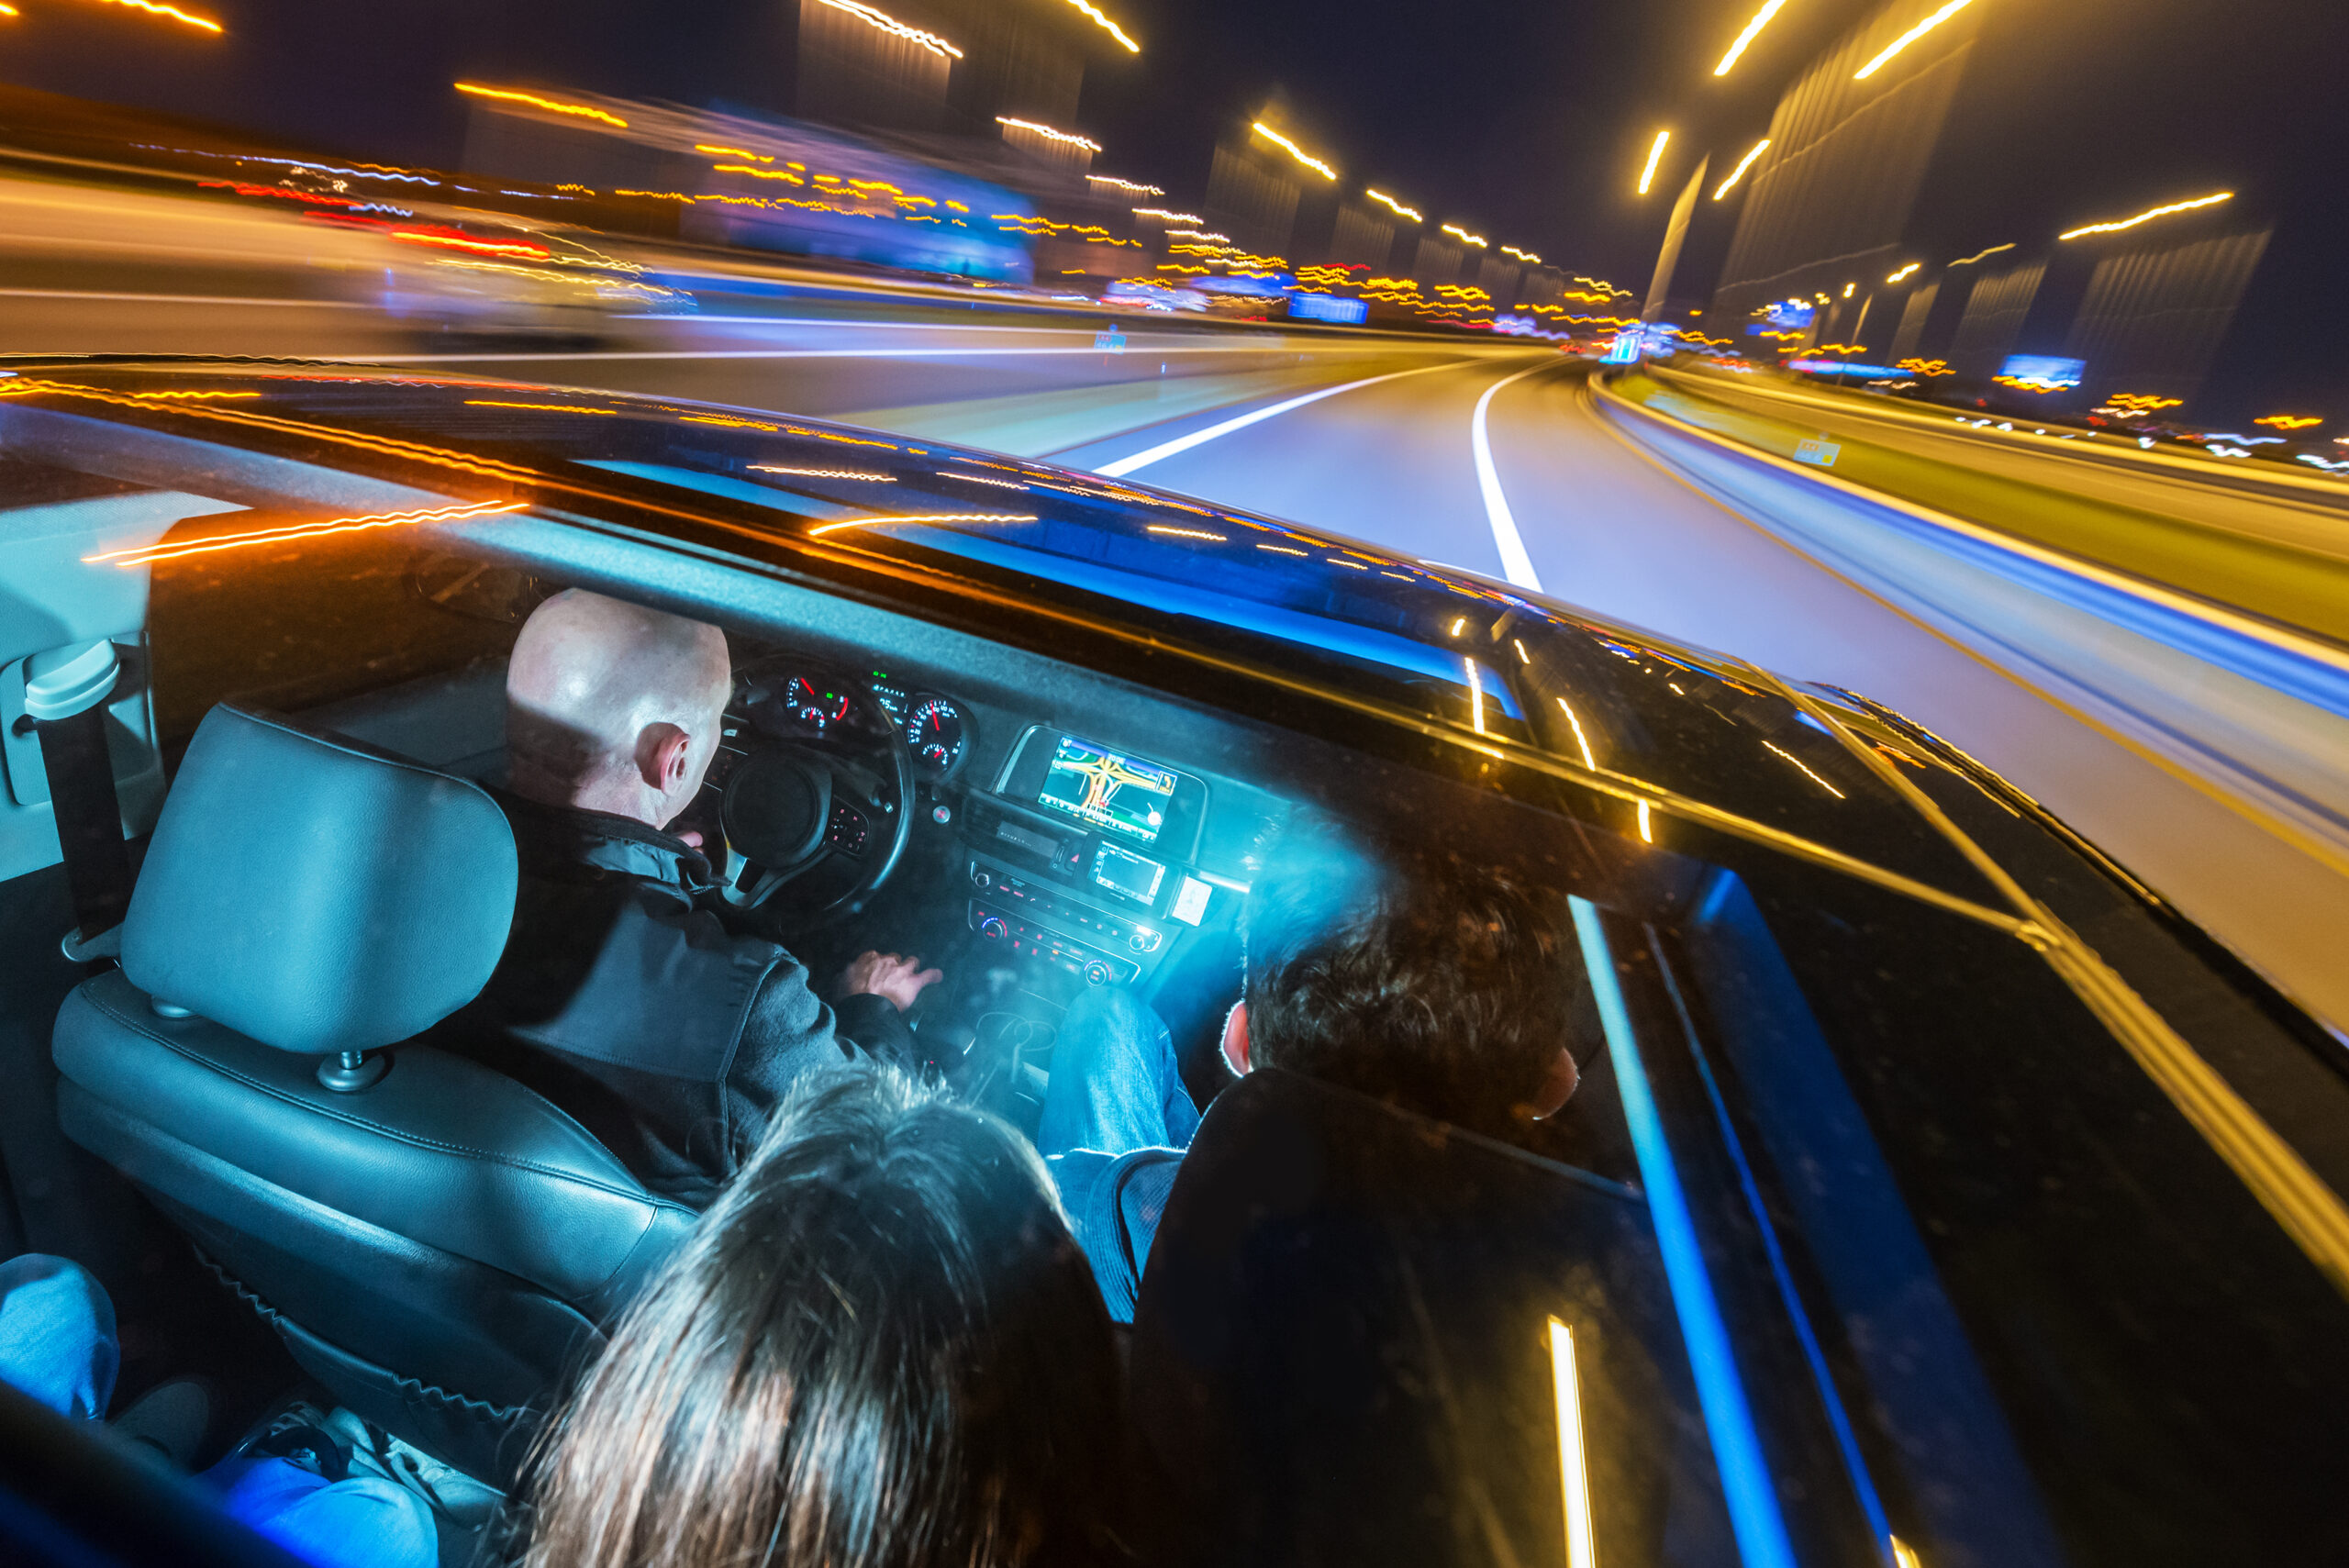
(993, 929)
(1098, 973)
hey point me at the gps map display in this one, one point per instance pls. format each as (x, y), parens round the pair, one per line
(1101, 787)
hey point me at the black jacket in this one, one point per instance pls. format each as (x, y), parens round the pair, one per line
(632, 1007)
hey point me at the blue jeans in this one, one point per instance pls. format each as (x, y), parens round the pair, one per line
(1116, 1121)
(58, 1344)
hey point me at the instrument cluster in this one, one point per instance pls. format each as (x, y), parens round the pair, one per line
(811, 704)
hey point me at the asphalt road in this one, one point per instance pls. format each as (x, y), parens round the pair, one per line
(1380, 438)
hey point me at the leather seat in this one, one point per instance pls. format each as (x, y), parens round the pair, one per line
(1342, 1351)
(440, 1246)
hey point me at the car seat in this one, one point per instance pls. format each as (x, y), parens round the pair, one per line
(1343, 1353)
(436, 1243)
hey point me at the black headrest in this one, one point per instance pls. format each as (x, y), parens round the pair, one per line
(317, 896)
(1342, 1351)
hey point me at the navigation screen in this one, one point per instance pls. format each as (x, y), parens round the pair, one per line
(1100, 787)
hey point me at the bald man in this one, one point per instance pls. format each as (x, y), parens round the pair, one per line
(621, 997)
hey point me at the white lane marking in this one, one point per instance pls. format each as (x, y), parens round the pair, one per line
(1144, 459)
(1516, 565)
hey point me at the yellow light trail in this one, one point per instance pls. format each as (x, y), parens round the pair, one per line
(1981, 255)
(173, 12)
(1655, 156)
(1739, 173)
(1753, 30)
(1574, 1469)
(823, 472)
(2147, 216)
(2291, 421)
(1911, 35)
(1471, 238)
(1904, 271)
(733, 151)
(1526, 256)
(895, 28)
(1581, 740)
(1048, 134)
(9, 11)
(1397, 208)
(581, 110)
(1108, 25)
(1166, 217)
(1294, 150)
(144, 555)
(543, 407)
(929, 518)
(192, 393)
(1188, 533)
(1128, 186)
(1197, 234)
(784, 174)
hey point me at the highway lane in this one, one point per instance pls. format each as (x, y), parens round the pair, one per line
(1607, 528)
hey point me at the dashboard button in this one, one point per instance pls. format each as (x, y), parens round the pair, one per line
(993, 929)
(1098, 973)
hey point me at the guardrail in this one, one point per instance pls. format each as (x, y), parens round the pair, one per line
(2254, 708)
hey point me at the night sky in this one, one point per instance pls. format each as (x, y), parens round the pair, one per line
(1526, 122)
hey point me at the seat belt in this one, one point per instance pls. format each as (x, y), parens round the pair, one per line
(65, 696)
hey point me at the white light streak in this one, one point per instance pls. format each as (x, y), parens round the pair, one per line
(1574, 1469)
(1269, 134)
(1753, 30)
(1397, 208)
(1739, 173)
(1048, 134)
(895, 28)
(2147, 216)
(1655, 156)
(1911, 35)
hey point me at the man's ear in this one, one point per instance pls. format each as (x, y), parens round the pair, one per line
(1558, 1087)
(1235, 1038)
(663, 757)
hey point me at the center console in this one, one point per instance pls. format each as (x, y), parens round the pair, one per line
(1082, 861)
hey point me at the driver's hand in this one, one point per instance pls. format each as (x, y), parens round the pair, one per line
(887, 975)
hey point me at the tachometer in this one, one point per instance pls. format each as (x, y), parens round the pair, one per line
(814, 708)
(935, 731)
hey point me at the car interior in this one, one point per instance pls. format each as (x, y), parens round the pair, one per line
(298, 1178)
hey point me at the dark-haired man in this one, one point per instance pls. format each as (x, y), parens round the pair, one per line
(1409, 975)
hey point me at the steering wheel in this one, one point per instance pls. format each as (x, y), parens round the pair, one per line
(797, 802)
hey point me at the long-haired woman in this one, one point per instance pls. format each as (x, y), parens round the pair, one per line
(879, 1348)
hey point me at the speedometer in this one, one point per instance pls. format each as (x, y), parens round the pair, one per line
(935, 731)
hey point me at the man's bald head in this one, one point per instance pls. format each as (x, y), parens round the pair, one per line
(611, 707)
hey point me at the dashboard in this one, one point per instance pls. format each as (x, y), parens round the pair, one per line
(807, 702)
(1079, 859)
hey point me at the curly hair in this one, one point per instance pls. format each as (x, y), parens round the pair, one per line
(1409, 973)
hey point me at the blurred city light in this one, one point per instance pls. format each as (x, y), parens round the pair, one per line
(885, 22)
(1108, 25)
(1904, 271)
(1911, 35)
(549, 105)
(1739, 173)
(1471, 238)
(1981, 255)
(1655, 156)
(2147, 216)
(173, 12)
(2291, 421)
(1753, 30)
(1048, 134)
(1528, 257)
(1395, 207)
(1294, 150)
(1162, 214)
(1128, 186)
